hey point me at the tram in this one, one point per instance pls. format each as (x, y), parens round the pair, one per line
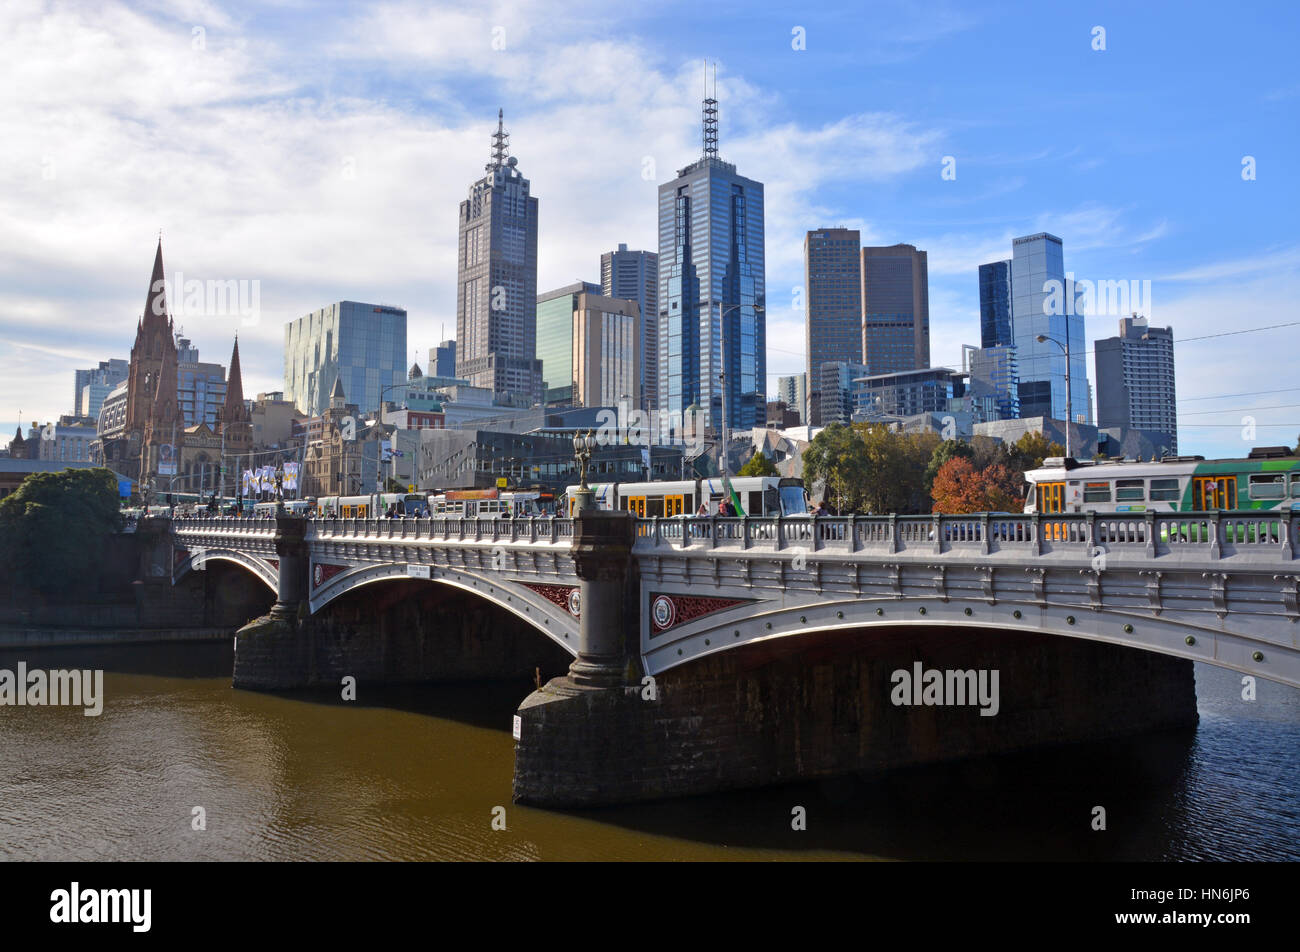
(758, 496)
(371, 506)
(491, 504)
(1269, 478)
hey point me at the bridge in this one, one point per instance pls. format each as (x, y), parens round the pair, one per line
(642, 605)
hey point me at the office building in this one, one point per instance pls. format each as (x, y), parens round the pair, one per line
(102, 379)
(442, 359)
(200, 387)
(634, 276)
(496, 286)
(712, 291)
(908, 393)
(607, 341)
(992, 372)
(362, 345)
(793, 392)
(895, 309)
(995, 304)
(1135, 380)
(555, 315)
(833, 300)
(1043, 304)
(838, 390)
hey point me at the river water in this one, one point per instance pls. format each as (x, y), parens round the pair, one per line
(415, 774)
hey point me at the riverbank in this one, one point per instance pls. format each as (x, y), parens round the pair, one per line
(24, 637)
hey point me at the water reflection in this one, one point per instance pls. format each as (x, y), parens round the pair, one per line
(414, 773)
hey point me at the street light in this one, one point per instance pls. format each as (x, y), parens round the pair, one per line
(379, 446)
(1069, 403)
(722, 382)
(582, 450)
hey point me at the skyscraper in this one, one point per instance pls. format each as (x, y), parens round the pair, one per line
(443, 359)
(496, 286)
(607, 340)
(363, 344)
(555, 316)
(895, 309)
(995, 304)
(1135, 379)
(1043, 304)
(712, 289)
(634, 276)
(793, 392)
(832, 260)
(101, 380)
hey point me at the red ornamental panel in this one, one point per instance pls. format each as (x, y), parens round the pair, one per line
(668, 611)
(566, 596)
(179, 555)
(274, 563)
(322, 572)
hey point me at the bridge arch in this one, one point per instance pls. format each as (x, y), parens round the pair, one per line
(541, 613)
(259, 568)
(1195, 636)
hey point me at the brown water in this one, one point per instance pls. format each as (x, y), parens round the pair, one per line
(415, 774)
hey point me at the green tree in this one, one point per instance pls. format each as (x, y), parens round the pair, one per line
(758, 465)
(837, 457)
(53, 528)
(895, 477)
(1030, 450)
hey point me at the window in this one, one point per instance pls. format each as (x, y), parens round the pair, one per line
(1129, 490)
(1268, 486)
(1164, 490)
(1295, 485)
(1096, 492)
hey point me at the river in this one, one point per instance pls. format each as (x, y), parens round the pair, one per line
(415, 774)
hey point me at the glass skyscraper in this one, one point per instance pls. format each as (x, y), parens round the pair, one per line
(634, 276)
(832, 262)
(364, 345)
(496, 288)
(712, 291)
(555, 338)
(995, 304)
(1044, 303)
(895, 309)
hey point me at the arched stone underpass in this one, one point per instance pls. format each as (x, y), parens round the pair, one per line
(399, 631)
(823, 704)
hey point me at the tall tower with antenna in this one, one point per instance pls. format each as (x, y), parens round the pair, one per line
(712, 288)
(496, 287)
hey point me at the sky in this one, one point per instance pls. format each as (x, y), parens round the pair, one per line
(319, 152)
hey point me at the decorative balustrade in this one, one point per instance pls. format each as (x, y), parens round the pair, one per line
(1220, 534)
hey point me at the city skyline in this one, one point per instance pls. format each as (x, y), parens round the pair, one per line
(1115, 193)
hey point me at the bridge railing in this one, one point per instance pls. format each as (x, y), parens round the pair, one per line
(535, 529)
(1218, 534)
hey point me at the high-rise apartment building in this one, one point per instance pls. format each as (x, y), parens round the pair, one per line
(793, 392)
(634, 276)
(363, 345)
(895, 309)
(993, 374)
(101, 380)
(442, 359)
(712, 290)
(838, 389)
(607, 341)
(200, 387)
(1135, 379)
(496, 286)
(995, 304)
(1044, 304)
(832, 261)
(555, 317)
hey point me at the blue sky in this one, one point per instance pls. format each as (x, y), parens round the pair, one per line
(322, 149)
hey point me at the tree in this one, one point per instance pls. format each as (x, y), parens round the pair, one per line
(837, 457)
(758, 465)
(53, 528)
(1030, 450)
(948, 449)
(959, 488)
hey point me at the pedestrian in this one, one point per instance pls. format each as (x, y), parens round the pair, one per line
(703, 511)
(819, 509)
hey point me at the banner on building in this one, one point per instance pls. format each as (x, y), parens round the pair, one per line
(291, 477)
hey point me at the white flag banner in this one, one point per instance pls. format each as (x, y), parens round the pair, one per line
(291, 476)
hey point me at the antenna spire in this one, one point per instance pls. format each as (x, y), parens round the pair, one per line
(500, 143)
(710, 114)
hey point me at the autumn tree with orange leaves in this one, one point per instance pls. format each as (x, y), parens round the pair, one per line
(960, 488)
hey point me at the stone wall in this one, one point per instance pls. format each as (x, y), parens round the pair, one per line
(818, 706)
(394, 631)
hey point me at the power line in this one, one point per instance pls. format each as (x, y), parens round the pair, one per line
(1280, 406)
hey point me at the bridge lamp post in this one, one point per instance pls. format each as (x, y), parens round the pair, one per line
(1069, 404)
(583, 445)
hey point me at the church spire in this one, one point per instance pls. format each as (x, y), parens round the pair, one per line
(234, 410)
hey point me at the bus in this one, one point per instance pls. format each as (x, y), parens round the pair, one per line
(761, 496)
(1269, 478)
(492, 504)
(371, 506)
